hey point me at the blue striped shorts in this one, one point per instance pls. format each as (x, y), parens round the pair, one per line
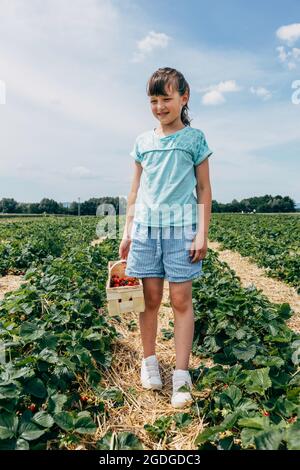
(162, 252)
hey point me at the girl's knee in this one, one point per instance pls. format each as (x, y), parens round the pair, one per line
(153, 301)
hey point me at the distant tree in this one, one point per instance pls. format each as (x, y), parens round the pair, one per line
(49, 206)
(22, 208)
(8, 205)
(34, 208)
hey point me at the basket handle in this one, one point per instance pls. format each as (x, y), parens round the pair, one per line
(117, 262)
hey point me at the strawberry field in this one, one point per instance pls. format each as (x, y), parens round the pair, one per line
(271, 241)
(57, 340)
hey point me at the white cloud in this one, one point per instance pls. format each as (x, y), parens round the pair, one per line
(261, 92)
(289, 33)
(215, 93)
(213, 97)
(149, 43)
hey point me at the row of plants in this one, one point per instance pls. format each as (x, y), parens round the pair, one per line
(252, 394)
(55, 344)
(24, 244)
(271, 241)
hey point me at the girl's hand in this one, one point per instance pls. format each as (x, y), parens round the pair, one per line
(198, 248)
(124, 248)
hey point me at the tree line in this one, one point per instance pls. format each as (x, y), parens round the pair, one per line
(265, 203)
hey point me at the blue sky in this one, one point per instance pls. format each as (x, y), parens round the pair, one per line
(75, 74)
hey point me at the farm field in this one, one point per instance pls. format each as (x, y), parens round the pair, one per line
(271, 241)
(69, 374)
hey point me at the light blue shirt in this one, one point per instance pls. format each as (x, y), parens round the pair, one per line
(166, 195)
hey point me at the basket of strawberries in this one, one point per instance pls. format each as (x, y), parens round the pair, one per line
(124, 293)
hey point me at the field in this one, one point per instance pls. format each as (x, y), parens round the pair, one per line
(69, 373)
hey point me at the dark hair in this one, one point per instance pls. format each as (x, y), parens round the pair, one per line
(168, 76)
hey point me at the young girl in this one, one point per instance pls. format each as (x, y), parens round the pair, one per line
(159, 243)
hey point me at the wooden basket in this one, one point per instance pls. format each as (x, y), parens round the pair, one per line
(124, 298)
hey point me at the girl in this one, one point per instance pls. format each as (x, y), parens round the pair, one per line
(159, 243)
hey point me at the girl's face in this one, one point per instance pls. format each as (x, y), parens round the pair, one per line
(168, 108)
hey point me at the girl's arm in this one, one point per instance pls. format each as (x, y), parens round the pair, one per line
(204, 197)
(138, 169)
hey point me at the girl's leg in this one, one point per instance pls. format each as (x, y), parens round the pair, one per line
(153, 292)
(182, 305)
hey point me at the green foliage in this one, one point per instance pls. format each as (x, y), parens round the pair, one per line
(254, 386)
(270, 241)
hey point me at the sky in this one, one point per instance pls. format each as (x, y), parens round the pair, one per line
(73, 76)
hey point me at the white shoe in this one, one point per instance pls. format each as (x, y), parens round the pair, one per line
(181, 378)
(150, 376)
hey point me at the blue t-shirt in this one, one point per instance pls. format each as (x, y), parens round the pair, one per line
(166, 195)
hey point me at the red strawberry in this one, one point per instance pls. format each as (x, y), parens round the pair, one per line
(32, 407)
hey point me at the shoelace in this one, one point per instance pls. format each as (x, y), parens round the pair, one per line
(150, 368)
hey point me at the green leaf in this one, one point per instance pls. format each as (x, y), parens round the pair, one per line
(257, 422)
(296, 354)
(9, 391)
(227, 443)
(21, 444)
(43, 419)
(114, 394)
(64, 420)
(31, 331)
(160, 426)
(268, 361)
(32, 432)
(234, 393)
(84, 423)
(56, 402)
(128, 441)
(284, 311)
(36, 388)
(121, 441)
(208, 434)
(8, 425)
(293, 436)
(244, 353)
(182, 419)
(247, 436)
(269, 440)
(258, 380)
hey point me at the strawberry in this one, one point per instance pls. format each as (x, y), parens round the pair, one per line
(32, 407)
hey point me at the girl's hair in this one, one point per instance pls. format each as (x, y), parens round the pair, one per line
(167, 76)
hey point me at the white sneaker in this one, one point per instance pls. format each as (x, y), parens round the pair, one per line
(150, 376)
(181, 378)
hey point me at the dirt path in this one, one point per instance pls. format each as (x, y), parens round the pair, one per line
(249, 273)
(144, 406)
(9, 283)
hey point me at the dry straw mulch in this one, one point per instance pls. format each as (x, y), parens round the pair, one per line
(145, 406)
(9, 283)
(249, 273)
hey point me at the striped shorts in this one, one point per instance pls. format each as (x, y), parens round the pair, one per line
(162, 252)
